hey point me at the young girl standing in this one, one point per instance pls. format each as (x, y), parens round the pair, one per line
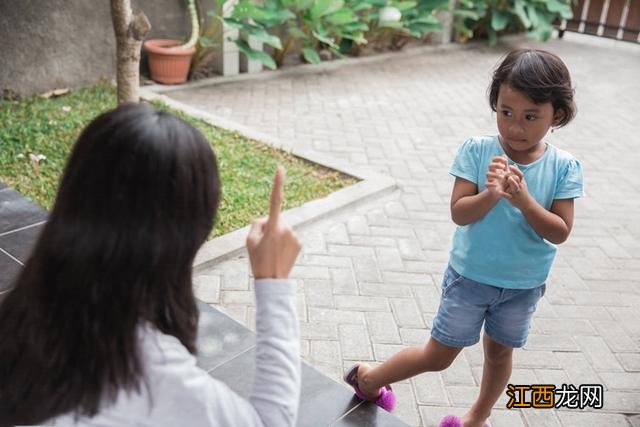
(513, 202)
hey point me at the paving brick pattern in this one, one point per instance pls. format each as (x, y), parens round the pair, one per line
(369, 277)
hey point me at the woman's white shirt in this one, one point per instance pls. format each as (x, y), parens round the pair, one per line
(179, 393)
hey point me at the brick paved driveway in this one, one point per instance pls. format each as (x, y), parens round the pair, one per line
(369, 278)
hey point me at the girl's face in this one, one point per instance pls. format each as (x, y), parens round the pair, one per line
(521, 122)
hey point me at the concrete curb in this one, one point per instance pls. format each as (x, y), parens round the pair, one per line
(231, 244)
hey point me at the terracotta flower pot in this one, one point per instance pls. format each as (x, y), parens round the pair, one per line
(167, 64)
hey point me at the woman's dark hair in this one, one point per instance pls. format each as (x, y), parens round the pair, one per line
(540, 75)
(137, 199)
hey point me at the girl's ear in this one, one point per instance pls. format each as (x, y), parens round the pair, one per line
(558, 117)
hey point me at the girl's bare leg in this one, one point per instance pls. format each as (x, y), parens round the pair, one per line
(498, 361)
(433, 356)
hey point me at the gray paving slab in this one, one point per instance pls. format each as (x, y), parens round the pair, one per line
(405, 117)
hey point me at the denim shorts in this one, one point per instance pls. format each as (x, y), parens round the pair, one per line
(465, 304)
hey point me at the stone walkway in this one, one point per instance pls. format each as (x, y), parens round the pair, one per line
(369, 277)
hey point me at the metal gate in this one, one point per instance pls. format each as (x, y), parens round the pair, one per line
(617, 19)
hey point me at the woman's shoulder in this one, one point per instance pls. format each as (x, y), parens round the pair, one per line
(184, 393)
(169, 368)
(159, 349)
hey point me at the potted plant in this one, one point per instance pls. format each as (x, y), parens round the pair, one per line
(170, 60)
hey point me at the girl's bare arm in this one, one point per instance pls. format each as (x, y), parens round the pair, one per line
(467, 205)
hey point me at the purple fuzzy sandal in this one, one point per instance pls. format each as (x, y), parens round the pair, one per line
(387, 398)
(453, 421)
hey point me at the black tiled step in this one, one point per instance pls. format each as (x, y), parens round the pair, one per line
(369, 415)
(3, 295)
(220, 338)
(17, 212)
(20, 243)
(9, 268)
(322, 400)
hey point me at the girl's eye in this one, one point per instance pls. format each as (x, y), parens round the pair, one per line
(506, 113)
(530, 117)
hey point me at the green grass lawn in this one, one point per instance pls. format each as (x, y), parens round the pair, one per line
(49, 127)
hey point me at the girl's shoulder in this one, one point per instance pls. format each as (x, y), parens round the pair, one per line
(481, 144)
(568, 172)
(483, 140)
(561, 158)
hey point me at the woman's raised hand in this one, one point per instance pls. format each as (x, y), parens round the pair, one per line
(272, 245)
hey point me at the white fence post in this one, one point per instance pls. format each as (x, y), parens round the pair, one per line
(226, 61)
(250, 65)
(447, 18)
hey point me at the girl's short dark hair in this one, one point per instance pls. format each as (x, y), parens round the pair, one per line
(137, 199)
(540, 75)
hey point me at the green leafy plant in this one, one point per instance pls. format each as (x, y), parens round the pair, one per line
(393, 22)
(257, 21)
(319, 28)
(307, 26)
(217, 27)
(490, 18)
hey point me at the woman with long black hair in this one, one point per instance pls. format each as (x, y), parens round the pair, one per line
(100, 328)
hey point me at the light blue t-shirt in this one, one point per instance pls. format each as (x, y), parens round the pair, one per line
(502, 249)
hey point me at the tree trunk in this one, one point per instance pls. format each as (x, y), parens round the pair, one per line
(130, 31)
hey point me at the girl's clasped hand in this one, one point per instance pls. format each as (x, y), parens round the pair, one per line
(505, 180)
